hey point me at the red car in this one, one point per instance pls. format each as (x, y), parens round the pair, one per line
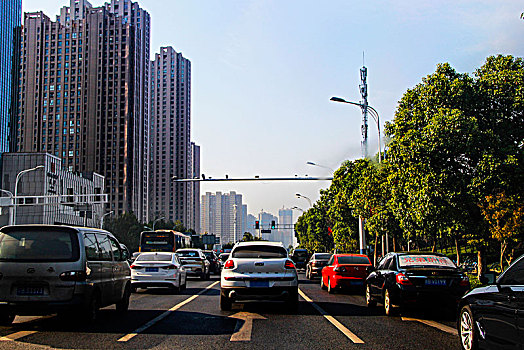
(345, 271)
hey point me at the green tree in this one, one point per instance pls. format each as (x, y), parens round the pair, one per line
(126, 228)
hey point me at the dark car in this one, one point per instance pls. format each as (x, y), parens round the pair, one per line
(492, 316)
(211, 256)
(423, 279)
(300, 257)
(315, 264)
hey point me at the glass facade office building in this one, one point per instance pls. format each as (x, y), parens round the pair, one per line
(10, 18)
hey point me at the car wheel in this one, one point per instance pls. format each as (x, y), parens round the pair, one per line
(6, 319)
(133, 289)
(322, 285)
(184, 286)
(330, 289)
(203, 276)
(388, 307)
(292, 302)
(225, 303)
(369, 299)
(123, 305)
(467, 331)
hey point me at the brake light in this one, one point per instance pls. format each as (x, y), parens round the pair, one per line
(402, 279)
(289, 264)
(77, 276)
(340, 269)
(229, 264)
(464, 281)
(170, 267)
(136, 267)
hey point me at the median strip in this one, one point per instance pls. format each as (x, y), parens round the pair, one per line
(160, 317)
(352, 336)
(433, 324)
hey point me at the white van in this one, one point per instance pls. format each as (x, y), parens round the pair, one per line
(47, 269)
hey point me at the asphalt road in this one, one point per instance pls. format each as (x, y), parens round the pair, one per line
(193, 320)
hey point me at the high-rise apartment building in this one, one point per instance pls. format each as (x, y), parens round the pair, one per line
(286, 230)
(173, 154)
(83, 95)
(194, 196)
(10, 16)
(221, 215)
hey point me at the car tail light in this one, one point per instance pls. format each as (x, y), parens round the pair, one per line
(340, 269)
(402, 279)
(289, 264)
(77, 276)
(229, 264)
(464, 281)
(136, 267)
(170, 267)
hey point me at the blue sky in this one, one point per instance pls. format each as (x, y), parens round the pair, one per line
(263, 72)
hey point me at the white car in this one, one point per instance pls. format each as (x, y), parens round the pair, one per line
(259, 271)
(158, 269)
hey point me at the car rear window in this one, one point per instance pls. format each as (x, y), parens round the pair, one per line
(35, 245)
(300, 253)
(322, 256)
(188, 254)
(154, 257)
(425, 261)
(259, 252)
(353, 260)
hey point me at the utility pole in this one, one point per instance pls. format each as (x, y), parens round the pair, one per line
(364, 93)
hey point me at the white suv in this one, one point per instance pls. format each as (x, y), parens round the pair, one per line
(259, 271)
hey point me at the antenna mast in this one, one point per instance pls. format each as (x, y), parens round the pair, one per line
(364, 93)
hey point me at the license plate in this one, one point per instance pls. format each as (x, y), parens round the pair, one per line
(431, 282)
(355, 283)
(151, 269)
(259, 284)
(30, 291)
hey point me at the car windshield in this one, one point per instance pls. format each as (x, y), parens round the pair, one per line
(322, 256)
(353, 260)
(188, 254)
(260, 252)
(425, 261)
(33, 245)
(154, 257)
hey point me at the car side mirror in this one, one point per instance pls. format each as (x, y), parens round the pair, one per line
(125, 254)
(488, 278)
(370, 269)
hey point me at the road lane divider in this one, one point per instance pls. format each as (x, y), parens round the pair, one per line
(352, 336)
(17, 335)
(433, 324)
(160, 317)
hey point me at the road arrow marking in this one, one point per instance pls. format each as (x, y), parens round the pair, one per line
(352, 336)
(160, 317)
(244, 326)
(433, 324)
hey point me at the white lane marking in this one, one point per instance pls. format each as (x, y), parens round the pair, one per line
(244, 327)
(352, 336)
(17, 335)
(433, 324)
(165, 314)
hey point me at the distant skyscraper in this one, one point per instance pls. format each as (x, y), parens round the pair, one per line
(221, 214)
(10, 16)
(173, 155)
(250, 224)
(84, 97)
(265, 223)
(194, 196)
(285, 220)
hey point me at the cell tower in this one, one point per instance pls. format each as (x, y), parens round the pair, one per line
(364, 105)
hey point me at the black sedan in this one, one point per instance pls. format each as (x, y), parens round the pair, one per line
(316, 264)
(492, 317)
(214, 262)
(423, 279)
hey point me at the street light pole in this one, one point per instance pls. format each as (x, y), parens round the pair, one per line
(154, 222)
(321, 166)
(103, 216)
(301, 196)
(18, 176)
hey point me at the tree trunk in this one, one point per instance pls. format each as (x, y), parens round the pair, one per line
(457, 249)
(394, 239)
(434, 247)
(375, 251)
(481, 261)
(503, 246)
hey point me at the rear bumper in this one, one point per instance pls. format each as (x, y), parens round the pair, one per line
(35, 308)
(316, 271)
(420, 296)
(259, 294)
(347, 282)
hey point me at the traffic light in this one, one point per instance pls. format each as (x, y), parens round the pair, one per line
(257, 225)
(273, 225)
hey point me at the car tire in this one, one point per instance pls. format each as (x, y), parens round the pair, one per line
(468, 334)
(91, 310)
(6, 319)
(292, 302)
(123, 305)
(203, 276)
(184, 286)
(388, 306)
(370, 302)
(225, 303)
(322, 285)
(133, 289)
(330, 289)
